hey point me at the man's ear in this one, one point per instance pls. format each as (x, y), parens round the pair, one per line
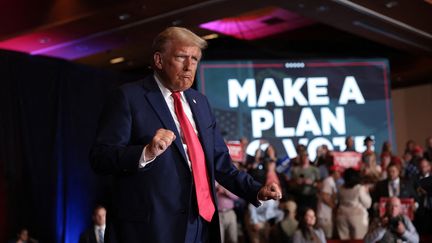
(157, 58)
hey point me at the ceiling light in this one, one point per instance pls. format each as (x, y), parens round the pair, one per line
(117, 60)
(210, 36)
(124, 16)
(391, 4)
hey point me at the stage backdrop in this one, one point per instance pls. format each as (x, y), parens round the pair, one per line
(310, 102)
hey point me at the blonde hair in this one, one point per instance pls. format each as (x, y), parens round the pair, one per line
(177, 34)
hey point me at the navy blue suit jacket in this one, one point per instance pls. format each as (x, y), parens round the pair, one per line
(159, 196)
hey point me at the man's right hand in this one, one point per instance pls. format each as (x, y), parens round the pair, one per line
(160, 142)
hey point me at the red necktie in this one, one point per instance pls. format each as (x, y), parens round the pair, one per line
(196, 155)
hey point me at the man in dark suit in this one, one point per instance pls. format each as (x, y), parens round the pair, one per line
(394, 186)
(96, 233)
(160, 140)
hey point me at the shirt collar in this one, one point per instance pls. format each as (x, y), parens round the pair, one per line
(396, 181)
(97, 227)
(166, 93)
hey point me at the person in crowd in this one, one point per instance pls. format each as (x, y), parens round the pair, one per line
(160, 141)
(423, 214)
(308, 231)
(412, 167)
(368, 153)
(244, 142)
(370, 171)
(409, 146)
(393, 226)
(323, 160)
(284, 230)
(394, 186)
(256, 169)
(23, 236)
(387, 156)
(300, 148)
(428, 149)
(96, 233)
(349, 143)
(227, 216)
(261, 220)
(305, 177)
(352, 218)
(327, 201)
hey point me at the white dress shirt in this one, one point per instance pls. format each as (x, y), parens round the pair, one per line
(96, 230)
(166, 93)
(396, 184)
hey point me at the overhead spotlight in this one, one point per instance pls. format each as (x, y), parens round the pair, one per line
(117, 60)
(391, 4)
(124, 16)
(210, 36)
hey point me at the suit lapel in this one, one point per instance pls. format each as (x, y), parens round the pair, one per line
(200, 125)
(157, 101)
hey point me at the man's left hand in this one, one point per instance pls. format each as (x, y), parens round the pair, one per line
(270, 191)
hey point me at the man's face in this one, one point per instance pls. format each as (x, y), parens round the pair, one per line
(425, 166)
(393, 172)
(177, 65)
(100, 217)
(394, 207)
(23, 235)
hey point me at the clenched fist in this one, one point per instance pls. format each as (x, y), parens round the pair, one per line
(270, 191)
(160, 142)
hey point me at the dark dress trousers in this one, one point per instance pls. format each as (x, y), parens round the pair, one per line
(157, 203)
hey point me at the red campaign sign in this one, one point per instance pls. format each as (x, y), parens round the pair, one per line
(407, 206)
(235, 150)
(347, 159)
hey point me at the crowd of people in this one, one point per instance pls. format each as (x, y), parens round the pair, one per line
(321, 200)
(379, 201)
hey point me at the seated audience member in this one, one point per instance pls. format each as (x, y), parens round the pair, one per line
(392, 226)
(96, 233)
(227, 216)
(23, 236)
(394, 186)
(261, 219)
(283, 231)
(304, 177)
(352, 218)
(327, 201)
(308, 231)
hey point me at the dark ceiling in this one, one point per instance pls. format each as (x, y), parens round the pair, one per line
(93, 32)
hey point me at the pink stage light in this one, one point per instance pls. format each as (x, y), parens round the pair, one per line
(258, 24)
